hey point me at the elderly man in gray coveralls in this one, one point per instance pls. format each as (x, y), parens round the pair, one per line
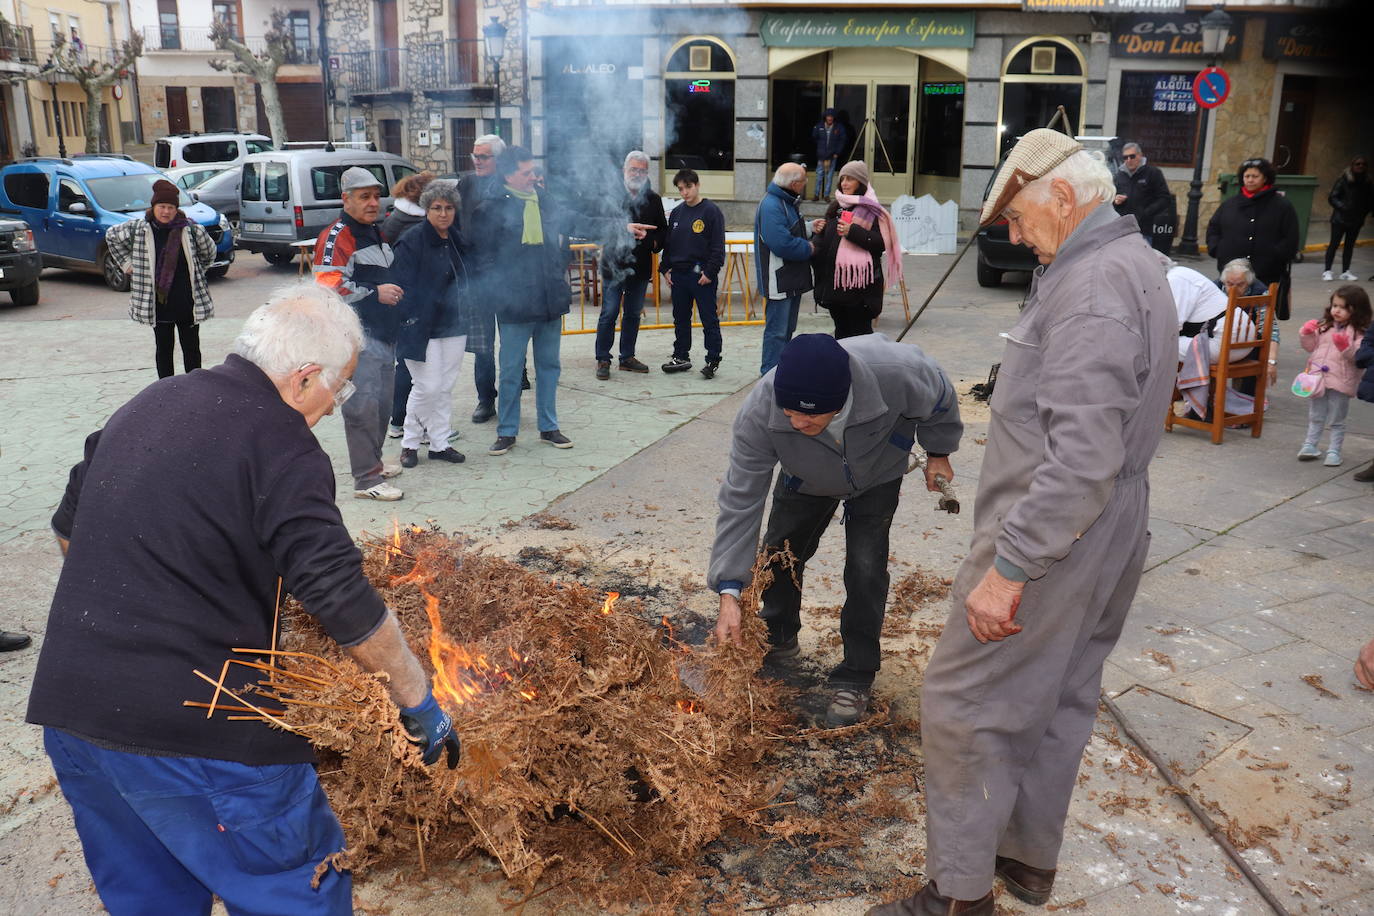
(841, 418)
(1059, 534)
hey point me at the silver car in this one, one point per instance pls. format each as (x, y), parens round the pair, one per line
(221, 191)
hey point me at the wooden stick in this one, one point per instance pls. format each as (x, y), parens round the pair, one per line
(219, 687)
(273, 719)
(276, 618)
(199, 705)
(420, 839)
(766, 807)
(289, 655)
(603, 828)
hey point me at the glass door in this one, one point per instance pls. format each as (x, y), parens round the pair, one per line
(878, 116)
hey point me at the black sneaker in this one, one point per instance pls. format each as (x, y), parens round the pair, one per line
(784, 652)
(631, 364)
(502, 445)
(450, 454)
(677, 364)
(603, 369)
(709, 370)
(556, 439)
(409, 457)
(484, 412)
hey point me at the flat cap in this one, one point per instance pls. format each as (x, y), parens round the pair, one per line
(357, 177)
(1034, 156)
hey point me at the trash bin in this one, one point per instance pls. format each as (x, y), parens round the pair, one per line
(1299, 189)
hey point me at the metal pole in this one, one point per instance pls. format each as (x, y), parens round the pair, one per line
(973, 237)
(1187, 245)
(57, 122)
(496, 62)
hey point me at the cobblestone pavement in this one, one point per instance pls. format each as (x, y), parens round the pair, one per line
(1235, 663)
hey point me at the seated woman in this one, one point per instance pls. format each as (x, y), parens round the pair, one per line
(1201, 310)
(1238, 275)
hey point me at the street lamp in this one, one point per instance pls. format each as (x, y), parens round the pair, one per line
(1216, 29)
(52, 75)
(495, 37)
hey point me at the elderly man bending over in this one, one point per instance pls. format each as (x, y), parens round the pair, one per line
(199, 499)
(1059, 532)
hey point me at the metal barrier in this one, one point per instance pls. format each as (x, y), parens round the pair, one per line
(584, 274)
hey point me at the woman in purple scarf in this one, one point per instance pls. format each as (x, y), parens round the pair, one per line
(857, 256)
(165, 255)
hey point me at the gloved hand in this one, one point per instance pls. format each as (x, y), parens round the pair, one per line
(1341, 340)
(432, 730)
(1310, 327)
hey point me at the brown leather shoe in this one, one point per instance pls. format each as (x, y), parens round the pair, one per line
(1025, 882)
(1366, 475)
(929, 902)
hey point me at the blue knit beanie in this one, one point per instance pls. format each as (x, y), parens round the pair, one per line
(812, 375)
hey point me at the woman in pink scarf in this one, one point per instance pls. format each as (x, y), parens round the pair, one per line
(857, 256)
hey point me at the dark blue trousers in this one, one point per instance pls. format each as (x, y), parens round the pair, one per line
(161, 835)
(686, 293)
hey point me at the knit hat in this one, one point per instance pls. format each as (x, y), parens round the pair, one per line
(164, 192)
(812, 375)
(857, 170)
(1033, 156)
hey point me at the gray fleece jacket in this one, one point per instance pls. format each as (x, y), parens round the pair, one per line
(898, 397)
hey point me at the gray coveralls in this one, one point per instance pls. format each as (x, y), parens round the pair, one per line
(1076, 416)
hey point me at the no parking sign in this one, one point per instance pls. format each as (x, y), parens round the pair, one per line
(1211, 87)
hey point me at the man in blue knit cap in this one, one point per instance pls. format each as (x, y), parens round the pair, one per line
(840, 417)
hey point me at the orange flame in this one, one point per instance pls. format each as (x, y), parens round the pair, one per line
(459, 675)
(687, 706)
(611, 599)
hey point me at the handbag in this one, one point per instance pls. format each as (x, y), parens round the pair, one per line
(1309, 384)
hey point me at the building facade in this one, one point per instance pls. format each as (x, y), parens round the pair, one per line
(18, 64)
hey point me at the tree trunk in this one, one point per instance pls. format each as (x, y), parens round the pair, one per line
(94, 125)
(271, 104)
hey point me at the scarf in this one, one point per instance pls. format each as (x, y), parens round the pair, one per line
(1249, 193)
(854, 265)
(533, 233)
(165, 258)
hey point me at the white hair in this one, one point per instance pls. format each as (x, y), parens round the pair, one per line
(303, 323)
(1086, 172)
(1134, 146)
(787, 173)
(491, 141)
(637, 155)
(1241, 265)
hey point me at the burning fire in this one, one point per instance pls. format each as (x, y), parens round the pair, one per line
(611, 599)
(459, 675)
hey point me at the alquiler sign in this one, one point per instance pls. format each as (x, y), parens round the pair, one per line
(867, 30)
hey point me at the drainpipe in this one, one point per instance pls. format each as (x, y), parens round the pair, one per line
(326, 78)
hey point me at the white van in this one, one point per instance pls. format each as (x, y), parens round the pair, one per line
(223, 149)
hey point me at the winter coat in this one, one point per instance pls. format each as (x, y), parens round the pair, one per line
(521, 283)
(782, 255)
(352, 260)
(405, 215)
(1148, 198)
(1364, 359)
(1336, 366)
(427, 266)
(131, 245)
(1263, 228)
(868, 298)
(899, 396)
(635, 255)
(1351, 200)
(830, 142)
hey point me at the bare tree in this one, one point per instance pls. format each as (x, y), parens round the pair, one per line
(262, 66)
(93, 73)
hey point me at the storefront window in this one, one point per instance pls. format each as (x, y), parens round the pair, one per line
(699, 107)
(1039, 75)
(942, 129)
(1157, 110)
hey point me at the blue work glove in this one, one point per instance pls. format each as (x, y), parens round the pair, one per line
(432, 730)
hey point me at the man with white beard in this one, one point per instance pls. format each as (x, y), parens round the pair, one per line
(627, 267)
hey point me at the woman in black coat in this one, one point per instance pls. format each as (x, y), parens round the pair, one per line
(851, 241)
(1351, 199)
(1258, 224)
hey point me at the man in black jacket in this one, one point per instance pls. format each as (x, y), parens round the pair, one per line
(1141, 191)
(627, 267)
(200, 499)
(473, 188)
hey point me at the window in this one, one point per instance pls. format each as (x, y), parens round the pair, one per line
(68, 193)
(27, 189)
(298, 27)
(128, 193)
(942, 129)
(55, 24)
(258, 146)
(325, 179)
(227, 11)
(269, 177)
(210, 151)
(47, 117)
(402, 171)
(169, 28)
(81, 121)
(1038, 76)
(699, 106)
(1157, 110)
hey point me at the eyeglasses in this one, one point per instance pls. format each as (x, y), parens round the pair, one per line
(481, 157)
(345, 392)
(1251, 163)
(1130, 156)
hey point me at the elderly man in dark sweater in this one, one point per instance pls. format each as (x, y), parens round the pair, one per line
(627, 267)
(199, 499)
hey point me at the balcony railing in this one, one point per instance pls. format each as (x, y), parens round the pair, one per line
(452, 64)
(160, 38)
(16, 43)
(85, 53)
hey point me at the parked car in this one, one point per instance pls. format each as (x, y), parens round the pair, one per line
(288, 196)
(997, 253)
(225, 148)
(20, 262)
(70, 203)
(189, 176)
(221, 191)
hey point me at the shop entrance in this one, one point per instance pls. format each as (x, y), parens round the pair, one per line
(871, 94)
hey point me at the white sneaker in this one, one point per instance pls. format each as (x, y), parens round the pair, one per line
(394, 432)
(382, 491)
(1349, 276)
(391, 470)
(1309, 452)
(1327, 276)
(1333, 459)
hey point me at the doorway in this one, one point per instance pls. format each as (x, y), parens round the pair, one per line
(388, 42)
(220, 110)
(1296, 101)
(797, 107)
(178, 112)
(390, 130)
(870, 90)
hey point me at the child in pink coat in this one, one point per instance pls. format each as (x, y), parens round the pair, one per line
(1331, 343)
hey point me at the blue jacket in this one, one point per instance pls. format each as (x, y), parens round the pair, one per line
(1364, 359)
(829, 142)
(782, 255)
(426, 267)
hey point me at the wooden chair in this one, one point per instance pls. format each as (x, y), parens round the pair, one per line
(1260, 310)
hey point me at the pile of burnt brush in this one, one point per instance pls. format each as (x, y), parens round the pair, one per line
(593, 742)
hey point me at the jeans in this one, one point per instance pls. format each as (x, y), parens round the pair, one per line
(688, 291)
(799, 521)
(779, 324)
(1327, 408)
(516, 337)
(164, 341)
(430, 409)
(632, 288)
(1339, 232)
(164, 834)
(825, 177)
(484, 363)
(401, 394)
(366, 414)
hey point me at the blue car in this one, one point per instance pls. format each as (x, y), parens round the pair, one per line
(70, 203)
